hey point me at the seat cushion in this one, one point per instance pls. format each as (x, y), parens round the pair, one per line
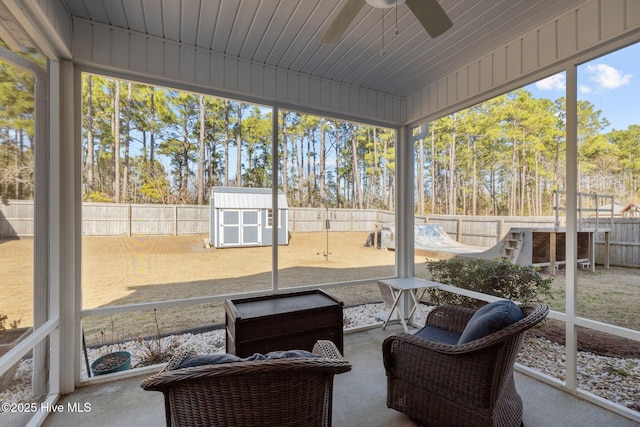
(280, 355)
(206, 359)
(489, 319)
(441, 335)
(214, 359)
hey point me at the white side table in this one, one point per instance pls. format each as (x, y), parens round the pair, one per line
(406, 286)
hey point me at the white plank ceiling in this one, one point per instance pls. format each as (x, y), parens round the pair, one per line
(287, 34)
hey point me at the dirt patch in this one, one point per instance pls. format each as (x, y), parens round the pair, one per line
(128, 270)
(590, 340)
(609, 296)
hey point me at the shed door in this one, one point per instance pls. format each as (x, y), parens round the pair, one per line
(240, 228)
(229, 228)
(251, 228)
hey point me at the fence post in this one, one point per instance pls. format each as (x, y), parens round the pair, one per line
(459, 230)
(553, 242)
(375, 237)
(175, 219)
(500, 230)
(129, 219)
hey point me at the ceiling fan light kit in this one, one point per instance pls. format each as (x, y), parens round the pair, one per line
(428, 12)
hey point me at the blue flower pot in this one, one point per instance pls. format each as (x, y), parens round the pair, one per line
(112, 362)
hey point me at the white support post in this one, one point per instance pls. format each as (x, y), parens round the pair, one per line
(404, 212)
(56, 236)
(404, 204)
(42, 238)
(66, 227)
(572, 226)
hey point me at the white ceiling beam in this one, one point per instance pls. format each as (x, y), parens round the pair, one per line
(40, 27)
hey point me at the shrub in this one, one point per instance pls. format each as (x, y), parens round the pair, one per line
(3, 322)
(157, 349)
(99, 197)
(499, 278)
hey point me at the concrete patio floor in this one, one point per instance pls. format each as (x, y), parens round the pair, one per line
(124, 403)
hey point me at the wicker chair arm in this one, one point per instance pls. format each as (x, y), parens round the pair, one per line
(328, 349)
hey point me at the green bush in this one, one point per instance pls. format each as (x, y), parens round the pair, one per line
(98, 197)
(499, 278)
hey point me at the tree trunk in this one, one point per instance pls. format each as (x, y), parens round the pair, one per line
(514, 180)
(285, 153)
(309, 176)
(537, 196)
(337, 165)
(90, 143)
(474, 180)
(301, 178)
(433, 170)
(355, 166)
(385, 187)
(523, 176)
(391, 201)
(127, 143)
(227, 139)
(323, 161)
(493, 192)
(152, 133)
(452, 168)
(376, 166)
(239, 147)
(421, 177)
(116, 143)
(19, 163)
(200, 185)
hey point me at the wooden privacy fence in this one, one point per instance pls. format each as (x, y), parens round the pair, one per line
(107, 219)
(119, 219)
(16, 219)
(484, 231)
(624, 243)
(304, 220)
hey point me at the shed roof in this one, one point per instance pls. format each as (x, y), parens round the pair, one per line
(245, 198)
(607, 209)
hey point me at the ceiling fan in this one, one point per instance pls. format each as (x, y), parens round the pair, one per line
(432, 17)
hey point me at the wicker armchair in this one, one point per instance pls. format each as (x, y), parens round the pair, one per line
(277, 392)
(471, 384)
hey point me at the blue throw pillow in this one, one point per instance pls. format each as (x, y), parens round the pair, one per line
(489, 319)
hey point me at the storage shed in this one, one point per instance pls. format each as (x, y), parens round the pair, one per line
(244, 217)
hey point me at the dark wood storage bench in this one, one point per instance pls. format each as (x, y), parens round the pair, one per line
(293, 321)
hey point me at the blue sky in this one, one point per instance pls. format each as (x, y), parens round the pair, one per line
(611, 83)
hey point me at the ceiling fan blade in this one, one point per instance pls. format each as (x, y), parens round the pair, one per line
(342, 21)
(431, 15)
